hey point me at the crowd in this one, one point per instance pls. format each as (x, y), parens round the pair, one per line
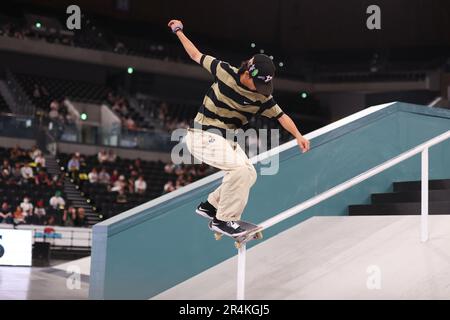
(27, 167)
(184, 175)
(120, 106)
(24, 172)
(54, 213)
(118, 179)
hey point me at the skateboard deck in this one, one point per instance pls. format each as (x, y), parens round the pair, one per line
(253, 232)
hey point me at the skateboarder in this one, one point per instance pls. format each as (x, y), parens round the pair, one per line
(235, 95)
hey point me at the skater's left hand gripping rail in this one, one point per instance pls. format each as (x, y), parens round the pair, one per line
(177, 28)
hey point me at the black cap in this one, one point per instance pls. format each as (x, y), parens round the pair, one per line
(262, 72)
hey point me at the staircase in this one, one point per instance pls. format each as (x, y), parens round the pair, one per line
(51, 164)
(405, 200)
(72, 193)
(77, 200)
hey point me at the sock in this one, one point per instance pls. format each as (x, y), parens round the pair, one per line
(209, 206)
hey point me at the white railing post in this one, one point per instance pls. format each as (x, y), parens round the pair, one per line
(241, 272)
(424, 196)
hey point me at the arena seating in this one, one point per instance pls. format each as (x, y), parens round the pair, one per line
(104, 201)
(14, 193)
(59, 88)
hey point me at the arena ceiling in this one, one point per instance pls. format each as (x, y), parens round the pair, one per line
(291, 25)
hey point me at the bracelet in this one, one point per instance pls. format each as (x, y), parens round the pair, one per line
(177, 29)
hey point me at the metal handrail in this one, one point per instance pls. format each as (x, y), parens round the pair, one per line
(422, 148)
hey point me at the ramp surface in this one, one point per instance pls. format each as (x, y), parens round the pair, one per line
(335, 258)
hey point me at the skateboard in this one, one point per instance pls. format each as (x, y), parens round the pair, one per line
(254, 232)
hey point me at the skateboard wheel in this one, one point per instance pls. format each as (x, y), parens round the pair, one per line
(217, 236)
(237, 245)
(258, 235)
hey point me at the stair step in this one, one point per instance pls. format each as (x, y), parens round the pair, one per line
(72, 192)
(416, 185)
(80, 202)
(410, 196)
(404, 208)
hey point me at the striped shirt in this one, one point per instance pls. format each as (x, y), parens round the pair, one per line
(229, 104)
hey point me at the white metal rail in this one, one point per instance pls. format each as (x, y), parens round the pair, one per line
(422, 148)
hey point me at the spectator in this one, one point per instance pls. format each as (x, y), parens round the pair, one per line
(5, 176)
(27, 209)
(54, 105)
(168, 187)
(138, 164)
(119, 185)
(93, 176)
(42, 178)
(130, 184)
(34, 152)
(6, 166)
(5, 213)
(17, 174)
(58, 180)
(16, 153)
(27, 173)
(130, 124)
(74, 165)
(111, 156)
(57, 202)
(133, 173)
(51, 221)
(110, 98)
(114, 177)
(18, 216)
(121, 197)
(80, 221)
(140, 186)
(103, 177)
(169, 168)
(81, 159)
(39, 212)
(54, 115)
(69, 217)
(102, 156)
(40, 160)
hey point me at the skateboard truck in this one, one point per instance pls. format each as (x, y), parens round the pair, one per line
(238, 243)
(254, 232)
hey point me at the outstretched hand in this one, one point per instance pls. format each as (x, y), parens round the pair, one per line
(175, 25)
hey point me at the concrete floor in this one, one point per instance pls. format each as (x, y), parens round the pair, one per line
(29, 283)
(379, 257)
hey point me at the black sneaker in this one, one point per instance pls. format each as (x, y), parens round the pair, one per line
(229, 228)
(206, 210)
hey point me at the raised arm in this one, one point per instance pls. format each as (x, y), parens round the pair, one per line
(193, 52)
(290, 126)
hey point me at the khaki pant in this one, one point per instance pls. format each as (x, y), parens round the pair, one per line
(230, 198)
